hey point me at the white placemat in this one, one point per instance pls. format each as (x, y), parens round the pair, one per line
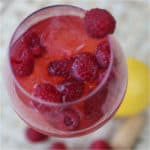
(132, 31)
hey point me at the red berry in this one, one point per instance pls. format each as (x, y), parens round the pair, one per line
(23, 64)
(58, 146)
(67, 119)
(32, 40)
(85, 67)
(60, 67)
(37, 50)
(34, 136)
(23, 69)
(99, 23)
(47, 92)
(23, 55)
(112, 77)
(26, 56)
(102, 75)
(103, 54)
(100, 145)
(71, 90)
(92, 107)
(44, 109)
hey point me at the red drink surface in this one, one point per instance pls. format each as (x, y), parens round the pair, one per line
(63, 37)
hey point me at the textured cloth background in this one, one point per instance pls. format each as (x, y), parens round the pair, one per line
(132, 32)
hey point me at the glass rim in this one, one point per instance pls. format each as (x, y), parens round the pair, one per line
(84, 98)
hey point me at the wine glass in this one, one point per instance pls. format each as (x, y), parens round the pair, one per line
(73, 118)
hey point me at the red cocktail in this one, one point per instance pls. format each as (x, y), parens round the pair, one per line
(65, 81)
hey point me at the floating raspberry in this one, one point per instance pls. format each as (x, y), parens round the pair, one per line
(102, 75)
(100, 145)
(37, 50)
(67, 119)
(85, 67)
(23, 64)
(32, 40)
(103, 54)
(60, 67)
(92, 107)
(23, 55)
(23, 69)
(99, 23)
(58, 146)
(34, 136)
(26, 56)
(71, 90)
(47, 92)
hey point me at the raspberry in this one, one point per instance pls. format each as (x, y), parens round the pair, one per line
(23, 64)
(32, 40)
(23, 55)
(37, 50)
(103, 54)
(47, 92)
(71, 90)
(100, 145)
(58, 146)
(99, 23)
(23, 69)
(67, 119)
(34, 136)
(60, 67)
(85, 67)
(92, 107)
(42, 108)
(26, 56)
(102, 75)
